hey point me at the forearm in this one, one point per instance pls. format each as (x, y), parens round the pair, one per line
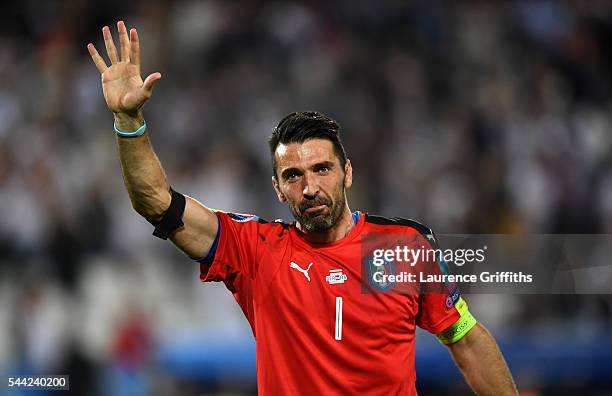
(125, 93)
(143, 174)
(482, 363)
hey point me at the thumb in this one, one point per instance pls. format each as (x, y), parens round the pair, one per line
(150, 81)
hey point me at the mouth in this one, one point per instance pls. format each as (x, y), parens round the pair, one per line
(315, 209)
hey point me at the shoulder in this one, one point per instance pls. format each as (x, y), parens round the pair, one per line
(242, 217)
(234, 219)
(400, 222)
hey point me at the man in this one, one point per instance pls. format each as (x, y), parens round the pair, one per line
(300, 285)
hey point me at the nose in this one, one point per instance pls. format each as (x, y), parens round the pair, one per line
(311, 186)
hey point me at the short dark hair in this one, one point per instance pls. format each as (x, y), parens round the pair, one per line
(300, 126)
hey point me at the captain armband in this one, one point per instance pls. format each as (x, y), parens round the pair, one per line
(173, 218)
(460, 328)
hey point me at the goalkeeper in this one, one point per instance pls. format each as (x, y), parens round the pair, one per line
(299, 284)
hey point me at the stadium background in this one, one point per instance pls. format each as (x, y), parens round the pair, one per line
(473, 117)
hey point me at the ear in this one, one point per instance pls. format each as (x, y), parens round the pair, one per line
(279, 193)
(348, 172)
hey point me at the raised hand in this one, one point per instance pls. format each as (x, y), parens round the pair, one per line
(122, 85)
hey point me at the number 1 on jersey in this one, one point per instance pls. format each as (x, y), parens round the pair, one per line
(338, 335)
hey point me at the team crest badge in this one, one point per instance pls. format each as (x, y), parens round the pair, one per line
(387, 268)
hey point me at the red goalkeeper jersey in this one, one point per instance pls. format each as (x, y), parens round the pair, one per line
(318, 329)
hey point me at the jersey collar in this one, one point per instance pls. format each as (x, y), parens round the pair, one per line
(359, 219)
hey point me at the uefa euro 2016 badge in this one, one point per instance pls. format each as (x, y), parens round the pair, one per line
(336, 276)
(242, 217)
(448, 303)
(452, 299)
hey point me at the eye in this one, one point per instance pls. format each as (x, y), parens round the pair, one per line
(323, 169)
(291, 176)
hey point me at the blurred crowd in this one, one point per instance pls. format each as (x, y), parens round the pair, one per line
(472, 117)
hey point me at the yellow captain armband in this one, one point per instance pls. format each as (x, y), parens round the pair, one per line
(460, 328)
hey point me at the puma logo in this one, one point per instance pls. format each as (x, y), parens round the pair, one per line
(303, 271)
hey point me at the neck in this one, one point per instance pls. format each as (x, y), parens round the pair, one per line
(343, 226)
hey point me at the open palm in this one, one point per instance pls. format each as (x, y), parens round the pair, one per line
(123, 88)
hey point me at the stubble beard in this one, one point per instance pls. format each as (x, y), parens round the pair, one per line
(317, 222)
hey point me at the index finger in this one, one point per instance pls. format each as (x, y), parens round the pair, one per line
(134, 47)
(97, 59)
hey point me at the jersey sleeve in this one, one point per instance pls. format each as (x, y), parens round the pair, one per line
(437, 312)
(442, 311)
(235, 251)
(233, 258)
